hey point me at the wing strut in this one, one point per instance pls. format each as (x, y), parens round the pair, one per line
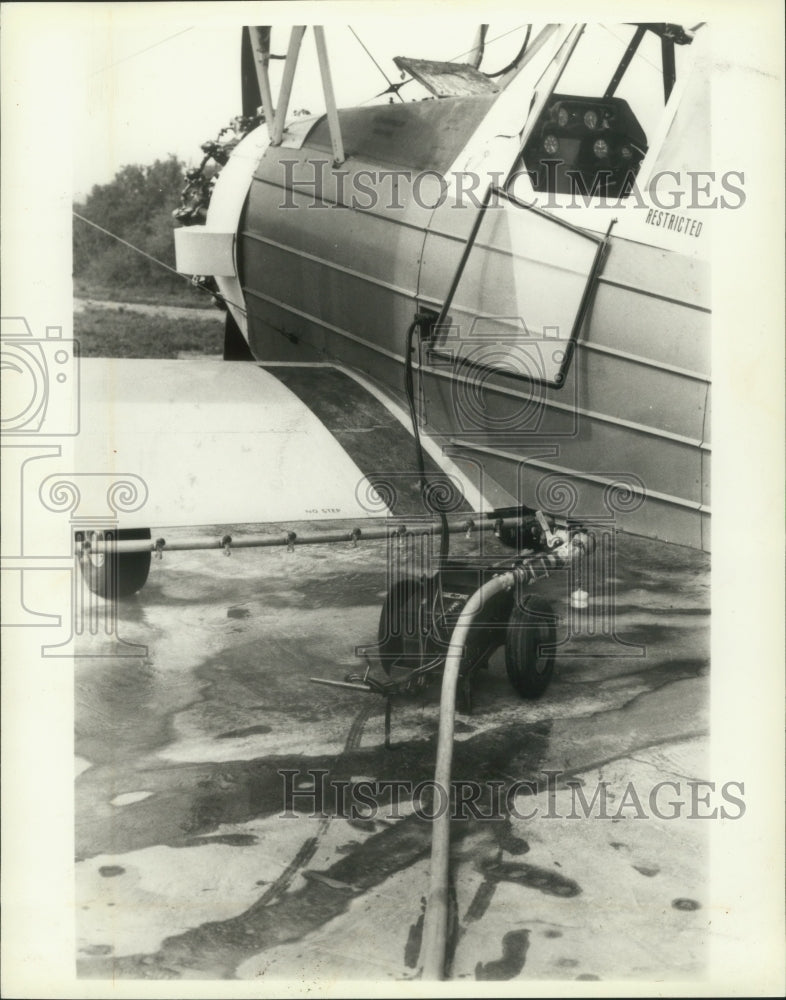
(330, 97)
(275, 116)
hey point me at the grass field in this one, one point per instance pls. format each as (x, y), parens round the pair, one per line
(118, 333)
(186, 295)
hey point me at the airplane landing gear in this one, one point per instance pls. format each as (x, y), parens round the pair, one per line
(114, 575)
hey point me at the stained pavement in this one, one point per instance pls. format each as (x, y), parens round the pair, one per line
(186, 869)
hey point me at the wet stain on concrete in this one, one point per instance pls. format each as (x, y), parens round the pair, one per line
(111, 871)
(515, 945)
(454, 929)
(481, 900)
(649, 635)
(347, 848)
(192, 799)
(685, 904)
(276, 918)
(331, 883)
(230, 839)
(452, 934)
(646, 871)
(277, 888)
(531, 876)
(552, 934)
(588, 977)
(366, 825)
(237, 734)
(121, 710)
(654, 676)
(414, 939)
(358, 588)
(626, 608)
(238, 612)
(567, 963)
(508, 840)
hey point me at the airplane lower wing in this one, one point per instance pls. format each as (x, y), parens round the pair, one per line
(212, 443)
(202, 442)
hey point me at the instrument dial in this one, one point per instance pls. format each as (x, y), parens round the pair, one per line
(591, 119)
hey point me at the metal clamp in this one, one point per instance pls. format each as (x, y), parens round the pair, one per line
(158, 548)
(291, 539)
(226, 545)
(355, 536)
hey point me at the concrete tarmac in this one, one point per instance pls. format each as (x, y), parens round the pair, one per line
(197, 858)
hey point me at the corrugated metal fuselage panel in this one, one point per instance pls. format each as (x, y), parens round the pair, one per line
(632, 407)
(323, 279)
(326, 280)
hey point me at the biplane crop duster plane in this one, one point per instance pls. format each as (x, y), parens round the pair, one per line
(486, 310)
(520, 260)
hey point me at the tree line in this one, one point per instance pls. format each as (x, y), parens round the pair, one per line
(136, 205)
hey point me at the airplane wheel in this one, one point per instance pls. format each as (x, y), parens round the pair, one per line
(119, 575)
(532, 629)
(398, 635)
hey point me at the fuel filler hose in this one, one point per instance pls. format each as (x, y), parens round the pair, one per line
(434, 942)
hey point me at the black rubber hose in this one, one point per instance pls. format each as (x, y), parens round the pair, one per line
(409, 385)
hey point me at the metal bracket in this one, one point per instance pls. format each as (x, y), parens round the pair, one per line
(552, 540)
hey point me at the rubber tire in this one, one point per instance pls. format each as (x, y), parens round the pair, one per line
(401, 604)
(114, 577)
(530, 627)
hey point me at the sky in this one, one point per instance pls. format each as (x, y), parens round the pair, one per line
(148, 83)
